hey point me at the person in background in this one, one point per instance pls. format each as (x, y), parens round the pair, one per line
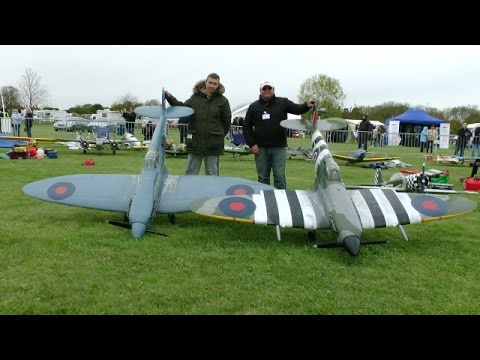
(182, 128)
(238, 121)
(431, 138)
(462, 140)
(207, 126)
(28, 121)
(423, 139)
(265, 136)
(148, 130)
(130, 117)
(364, 132)
(16, 122)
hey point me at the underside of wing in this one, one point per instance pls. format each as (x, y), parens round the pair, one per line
(97, 191)
(171, 112)
(286, 208)
(383, 207)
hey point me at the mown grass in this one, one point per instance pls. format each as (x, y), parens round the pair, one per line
(57, 259)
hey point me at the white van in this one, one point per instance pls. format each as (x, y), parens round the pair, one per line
(472, 127)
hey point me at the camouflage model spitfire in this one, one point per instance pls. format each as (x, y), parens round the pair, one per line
(141, 196)
(330, 205)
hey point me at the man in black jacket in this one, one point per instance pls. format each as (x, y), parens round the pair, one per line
(266, 137)
(364, 132)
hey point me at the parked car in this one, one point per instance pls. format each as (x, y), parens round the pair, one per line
(69, 124)
(97, 125)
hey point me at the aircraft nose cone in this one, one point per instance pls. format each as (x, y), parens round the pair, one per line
(352, 244)
(138, 229)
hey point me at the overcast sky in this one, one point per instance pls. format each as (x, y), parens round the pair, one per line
(434, 75)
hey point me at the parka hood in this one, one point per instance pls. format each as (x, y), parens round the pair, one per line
(199, 88)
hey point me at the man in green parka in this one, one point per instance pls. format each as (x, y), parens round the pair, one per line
(207, 126)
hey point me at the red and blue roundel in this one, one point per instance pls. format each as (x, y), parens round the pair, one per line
(239, 189)
(429, 205)
(236, 206)
(61, 190)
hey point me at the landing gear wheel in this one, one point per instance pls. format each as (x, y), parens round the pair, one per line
(171, 218)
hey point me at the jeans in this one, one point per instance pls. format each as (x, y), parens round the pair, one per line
(194, 162)
(272, 159)
(16, 129)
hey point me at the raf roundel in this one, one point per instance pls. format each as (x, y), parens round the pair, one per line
(239, 190)
(61, 190)
(429, 205)
(237, 206)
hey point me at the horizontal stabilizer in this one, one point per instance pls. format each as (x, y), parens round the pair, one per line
(171, 112)
(322, 125)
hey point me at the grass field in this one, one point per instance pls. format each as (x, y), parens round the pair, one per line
(57, 259)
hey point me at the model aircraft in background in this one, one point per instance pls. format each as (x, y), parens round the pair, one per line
(420, 182)
(361, 155)
(142, 196)
(301, 152)
(330, 206)
(79, 143)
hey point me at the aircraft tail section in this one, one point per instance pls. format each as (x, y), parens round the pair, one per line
(178, 111)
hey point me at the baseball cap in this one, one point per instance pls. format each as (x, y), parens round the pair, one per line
(266, 83)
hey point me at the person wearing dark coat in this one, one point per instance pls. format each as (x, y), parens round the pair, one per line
(364, 132)
(207, 126)
(462, 139)
(130, 117)
(28, 121)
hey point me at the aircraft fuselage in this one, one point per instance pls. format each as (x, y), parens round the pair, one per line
(341, 211)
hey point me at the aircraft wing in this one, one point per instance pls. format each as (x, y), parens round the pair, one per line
(96, 191)
(322, 125)
(386, 207)
(181, 190)
(241, 150)
(377, 208)
(365, 159)
(26, 138)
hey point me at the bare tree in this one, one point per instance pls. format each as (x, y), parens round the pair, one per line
(32, 91)
(11, 97)
(127, 100)
(152, 102)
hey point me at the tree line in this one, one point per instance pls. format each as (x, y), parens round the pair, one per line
(329, 93)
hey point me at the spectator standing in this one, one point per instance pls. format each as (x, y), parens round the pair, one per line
(16, 122)
(207, 126)
(148, 130)
(423, 139)
(182, 128)
(432, 136)
(265, 136)
(462, 140)
(28, 121)
(130, 117)
(364, 132)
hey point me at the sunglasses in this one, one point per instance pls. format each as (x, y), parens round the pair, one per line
(267, 88)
